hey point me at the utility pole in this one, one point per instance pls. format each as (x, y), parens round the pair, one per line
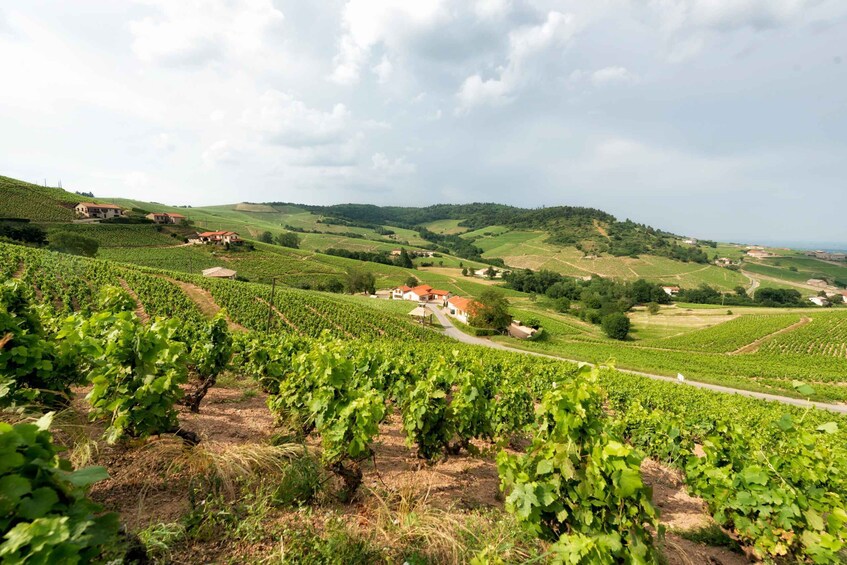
(271, 304)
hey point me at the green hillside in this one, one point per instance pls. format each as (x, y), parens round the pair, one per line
(37, 203)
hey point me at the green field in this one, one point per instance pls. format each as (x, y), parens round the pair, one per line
(447, 227)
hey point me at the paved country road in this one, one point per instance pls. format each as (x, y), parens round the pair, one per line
(451, 331)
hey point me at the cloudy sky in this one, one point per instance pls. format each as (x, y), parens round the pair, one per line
(714, 118)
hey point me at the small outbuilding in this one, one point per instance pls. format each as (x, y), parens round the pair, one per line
(421, 314)
(220, 273)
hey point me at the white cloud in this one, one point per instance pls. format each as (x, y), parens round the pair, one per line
(164, 142)
(492, 8)
(367, 23)
(524, 44)
(285, 120)
(612, 75)
(220, 152)
(383, 70)
(195, 32)
(689, 25)
(385, 166)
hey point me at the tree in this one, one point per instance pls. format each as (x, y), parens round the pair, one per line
(412, 281)
(491, 311)
(73, 244)
(740, 291)
(490, 272)
(23, 231)
(562, 304)
(266, 237)
(464, 272)
(360, 281)
(616, 325)
(653, 308)
(288, 239)
(404, 260)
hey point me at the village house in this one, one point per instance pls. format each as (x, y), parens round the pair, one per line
(671, 290)
(461, 308)
(835, 296)
(820, 283)
(724, 262)
(827, 256)
(760, 254)
(98, 211)
(420, 293)
(819, 300)
(397, 293)
(219, 237)
(220, 273)
(165, 217)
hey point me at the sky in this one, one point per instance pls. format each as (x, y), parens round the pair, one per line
(722, 119)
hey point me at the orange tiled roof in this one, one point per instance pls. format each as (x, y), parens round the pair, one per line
(93, 205)
(421, 289)
(464, 304)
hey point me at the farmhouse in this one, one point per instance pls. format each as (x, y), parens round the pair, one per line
(461, 308)
(420, 293)
(219, 273)
(820, 283)
(671, 290)
(827, 256)
(98, 211)
(724, 262)
(759, 254)
(219, 237)
(165, 217)
(819, 300)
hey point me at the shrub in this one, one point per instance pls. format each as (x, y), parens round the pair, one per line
(616, 325)
(46, 516)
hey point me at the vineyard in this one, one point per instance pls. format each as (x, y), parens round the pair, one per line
(566, 446)
(123, 236)
(826, 335)
(727, 337)
(34, 202)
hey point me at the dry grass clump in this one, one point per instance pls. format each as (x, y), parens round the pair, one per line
(226, 465)
(404, 518)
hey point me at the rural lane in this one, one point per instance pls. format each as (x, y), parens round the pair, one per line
(452, 331)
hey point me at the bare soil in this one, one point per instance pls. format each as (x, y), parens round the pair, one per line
(143, 494)
(204, 301)
(139, 306)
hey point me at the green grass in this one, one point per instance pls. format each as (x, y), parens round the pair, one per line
(447, 227)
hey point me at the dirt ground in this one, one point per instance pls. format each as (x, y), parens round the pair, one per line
(143, 493)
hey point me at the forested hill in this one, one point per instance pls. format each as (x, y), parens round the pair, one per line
(589, 229)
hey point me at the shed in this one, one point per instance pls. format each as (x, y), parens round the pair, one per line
(219, 273)
(421, 314)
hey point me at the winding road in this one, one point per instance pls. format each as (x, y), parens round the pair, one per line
(453, 332)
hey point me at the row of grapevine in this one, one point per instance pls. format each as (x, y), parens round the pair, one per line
(825, 335)
(445, 399)
(728, 336)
